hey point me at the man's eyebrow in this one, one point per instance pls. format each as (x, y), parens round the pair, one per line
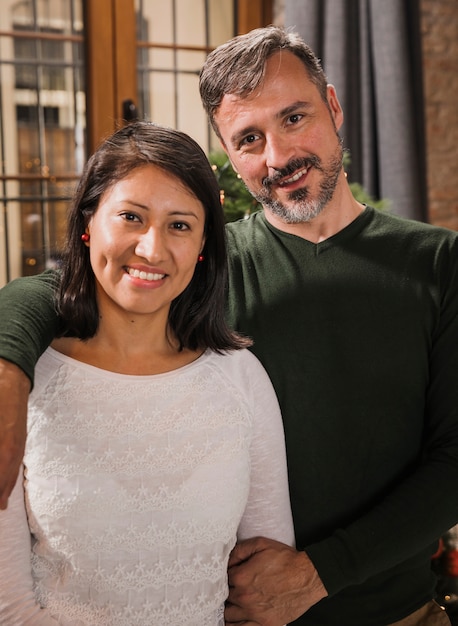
(292, 108)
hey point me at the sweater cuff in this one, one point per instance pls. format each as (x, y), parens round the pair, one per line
(334, 562)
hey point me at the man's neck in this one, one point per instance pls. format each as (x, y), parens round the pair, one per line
(333, 218)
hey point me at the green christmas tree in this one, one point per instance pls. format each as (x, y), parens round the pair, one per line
(237, 200)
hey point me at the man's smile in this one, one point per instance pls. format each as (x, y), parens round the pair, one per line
(293, 178)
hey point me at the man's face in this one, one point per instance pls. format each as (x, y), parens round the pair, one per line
(282, 140)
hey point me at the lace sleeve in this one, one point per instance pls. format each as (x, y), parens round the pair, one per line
(268, 511)
(18, 606)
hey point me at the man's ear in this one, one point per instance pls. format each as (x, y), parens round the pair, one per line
(334, 106)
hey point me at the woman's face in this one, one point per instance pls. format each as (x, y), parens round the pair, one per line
(145, 239)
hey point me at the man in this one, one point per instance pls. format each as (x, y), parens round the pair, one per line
(354, 314)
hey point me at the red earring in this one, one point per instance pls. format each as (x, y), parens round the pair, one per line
(200, 258)
(85, 237)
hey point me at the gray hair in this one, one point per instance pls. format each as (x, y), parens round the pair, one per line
(238, 66)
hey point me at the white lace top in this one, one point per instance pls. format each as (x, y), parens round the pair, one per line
(136, 488)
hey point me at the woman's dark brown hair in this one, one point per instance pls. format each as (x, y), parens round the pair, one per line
(196, 316)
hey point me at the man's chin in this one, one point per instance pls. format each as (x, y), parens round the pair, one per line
(293, 214)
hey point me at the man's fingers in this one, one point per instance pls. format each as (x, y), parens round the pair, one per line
(243, 551)
(233, 616)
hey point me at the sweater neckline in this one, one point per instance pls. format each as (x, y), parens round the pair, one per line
(63, 358)
(347, 232)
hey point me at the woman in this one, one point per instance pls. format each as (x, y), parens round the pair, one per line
(154, 436)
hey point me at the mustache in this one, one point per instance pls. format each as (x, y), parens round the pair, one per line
(290, 168)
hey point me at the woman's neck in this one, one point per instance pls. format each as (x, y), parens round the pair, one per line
(131, 346)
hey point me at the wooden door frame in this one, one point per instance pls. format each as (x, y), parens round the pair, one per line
(111, 57)
(252, 14)
(111, 75)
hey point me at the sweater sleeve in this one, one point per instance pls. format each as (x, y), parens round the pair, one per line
(420, 508)
(268, 510)
(18, 606)
(29, 319)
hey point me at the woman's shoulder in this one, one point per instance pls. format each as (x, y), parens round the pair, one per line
(241, 367)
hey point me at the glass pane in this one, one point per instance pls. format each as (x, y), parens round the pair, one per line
(174, 37)
(220, 22)
(190, 23)
(42, 127)
(155, 20)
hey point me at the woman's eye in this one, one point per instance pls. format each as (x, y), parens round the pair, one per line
(130, 217)
(180, 226)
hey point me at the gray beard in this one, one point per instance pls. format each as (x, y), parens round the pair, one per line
(303, 208)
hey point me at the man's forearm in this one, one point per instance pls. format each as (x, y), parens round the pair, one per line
(14, 392)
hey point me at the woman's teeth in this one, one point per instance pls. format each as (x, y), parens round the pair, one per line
(144, 275)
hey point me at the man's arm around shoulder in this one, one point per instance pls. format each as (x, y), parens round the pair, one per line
(14, 392)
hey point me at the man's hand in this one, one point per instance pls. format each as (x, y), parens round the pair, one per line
(270, 583)
(14, 393)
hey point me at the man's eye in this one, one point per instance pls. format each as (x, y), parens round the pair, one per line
(249, 139)
(293, 119)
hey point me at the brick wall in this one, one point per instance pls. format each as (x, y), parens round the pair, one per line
(439, 20)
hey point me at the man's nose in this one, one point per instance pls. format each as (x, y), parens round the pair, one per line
(278, 152)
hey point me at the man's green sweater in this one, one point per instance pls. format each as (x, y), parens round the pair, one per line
(359, 335)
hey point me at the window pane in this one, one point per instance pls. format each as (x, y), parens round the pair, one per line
(42, 126)
(174, 40)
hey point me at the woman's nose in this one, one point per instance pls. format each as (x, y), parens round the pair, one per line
(150, 245)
